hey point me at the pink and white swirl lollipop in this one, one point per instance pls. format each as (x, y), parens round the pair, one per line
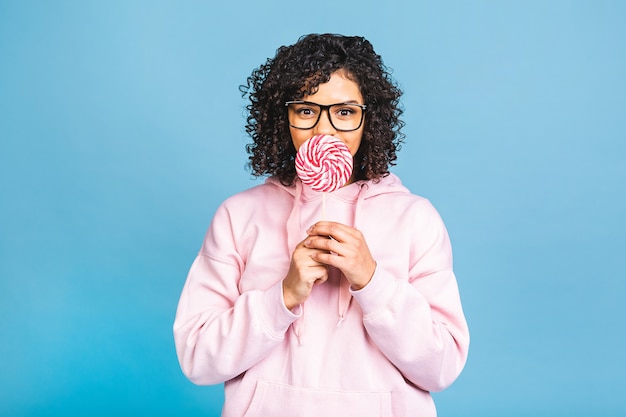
(324, 163)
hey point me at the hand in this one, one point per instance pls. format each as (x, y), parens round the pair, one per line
(344, 248)
(304, 272)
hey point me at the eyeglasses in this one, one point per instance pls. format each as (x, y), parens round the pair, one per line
(344, 117)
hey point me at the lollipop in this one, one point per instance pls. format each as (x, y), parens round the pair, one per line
(324, 163)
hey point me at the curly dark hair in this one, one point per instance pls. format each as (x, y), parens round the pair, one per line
(298, 70)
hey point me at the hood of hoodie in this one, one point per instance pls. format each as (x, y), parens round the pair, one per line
(366, 190)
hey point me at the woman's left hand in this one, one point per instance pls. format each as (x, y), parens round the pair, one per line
(347, 251)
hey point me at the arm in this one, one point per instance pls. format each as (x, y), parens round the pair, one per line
(426, 339)
(419, 323)
(416, 320)
(219, 332)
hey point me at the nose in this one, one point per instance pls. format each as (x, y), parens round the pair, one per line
(324, 126)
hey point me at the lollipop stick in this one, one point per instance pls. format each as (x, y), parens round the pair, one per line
(323, 206)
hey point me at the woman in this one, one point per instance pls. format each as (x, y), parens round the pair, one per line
(357, 314)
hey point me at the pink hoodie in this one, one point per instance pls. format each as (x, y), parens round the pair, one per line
(373, 352)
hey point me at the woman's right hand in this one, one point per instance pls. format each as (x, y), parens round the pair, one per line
(303, 273)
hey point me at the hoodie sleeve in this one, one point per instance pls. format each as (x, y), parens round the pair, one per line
(418, 323)
(218, 331)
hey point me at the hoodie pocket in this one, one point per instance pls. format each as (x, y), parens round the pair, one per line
(276, 400)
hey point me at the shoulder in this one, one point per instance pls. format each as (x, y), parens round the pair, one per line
(391, 188)
(271, 191)
(240, 216)
(390, 199)
(256, 205)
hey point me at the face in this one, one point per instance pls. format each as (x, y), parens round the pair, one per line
(338, 89)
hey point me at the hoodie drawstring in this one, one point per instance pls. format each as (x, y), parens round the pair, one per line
(345, 297)
(293, 230)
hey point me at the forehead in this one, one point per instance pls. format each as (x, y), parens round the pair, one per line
(339, 88)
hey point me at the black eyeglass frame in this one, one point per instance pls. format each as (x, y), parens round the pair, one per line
(330, 119)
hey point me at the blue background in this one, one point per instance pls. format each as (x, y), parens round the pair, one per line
(121, 129)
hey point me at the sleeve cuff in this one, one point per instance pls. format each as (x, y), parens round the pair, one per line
(377, 294)
(277, 317)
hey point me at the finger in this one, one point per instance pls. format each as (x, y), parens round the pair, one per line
(304, 255)
(337, 231)
(331, 260)
(323, 244)
(322, 277)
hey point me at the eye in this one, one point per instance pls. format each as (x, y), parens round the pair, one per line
(306, 112)
(346, 112)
